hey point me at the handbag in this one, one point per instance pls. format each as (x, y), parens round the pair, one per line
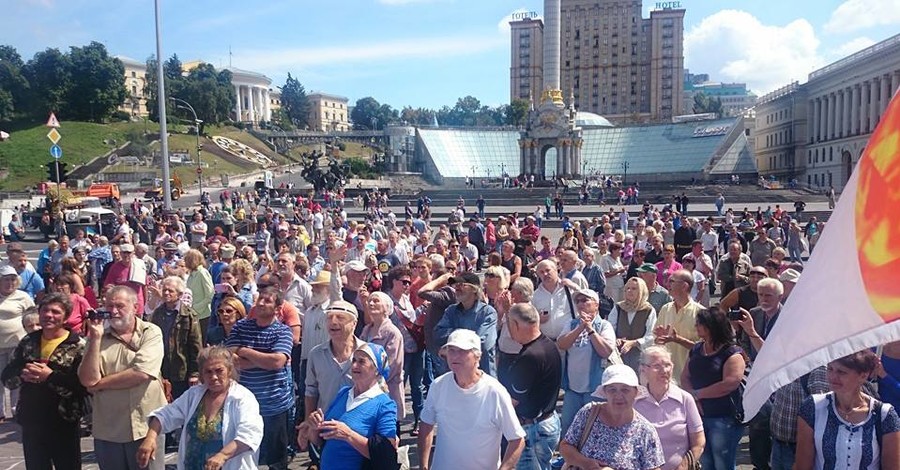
(692, 462)
(584, 434)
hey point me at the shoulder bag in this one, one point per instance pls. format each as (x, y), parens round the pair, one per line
(584, 434)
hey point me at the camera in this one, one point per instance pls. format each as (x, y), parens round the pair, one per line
(99, 314)
(734, 314)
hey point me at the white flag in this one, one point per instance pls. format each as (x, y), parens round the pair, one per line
(848, 297)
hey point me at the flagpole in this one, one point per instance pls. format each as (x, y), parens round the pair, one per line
(161, 102)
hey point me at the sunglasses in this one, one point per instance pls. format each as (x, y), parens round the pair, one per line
(226, 310)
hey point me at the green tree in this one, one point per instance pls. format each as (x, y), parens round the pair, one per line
(209, 92)
(366, 114)
(175, 84)
(706, 104)
(49, 75)
(98, 83)
(13, 85)
(294, 102)
(466, 111)
(517, 112)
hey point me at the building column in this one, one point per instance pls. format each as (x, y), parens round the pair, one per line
(873, 106)
(838, 114)
(817, 129)
(885, 94)
(237, 108)
(267, 100)
(811, 107)
(250, 108)
(854, 110)
(829, 110)
(896, 82)
(822, 108)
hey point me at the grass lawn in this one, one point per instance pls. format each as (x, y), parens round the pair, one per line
(27, 149)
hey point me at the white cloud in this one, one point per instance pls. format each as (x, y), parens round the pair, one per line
(503, 24)
(267, 60)
(733, 45)
(852, 46)
(403, 2)
(854, 15)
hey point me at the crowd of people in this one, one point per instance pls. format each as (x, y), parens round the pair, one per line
(305, 334)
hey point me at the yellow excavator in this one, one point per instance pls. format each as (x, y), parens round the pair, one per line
(156, 194)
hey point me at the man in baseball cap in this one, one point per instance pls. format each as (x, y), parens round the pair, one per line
(471, 313)
(473, 410)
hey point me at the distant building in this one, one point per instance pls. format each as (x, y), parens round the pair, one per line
(135, 82)
(842, 104)
(613, 61)
(328, 113)
(735, 97)
(526, 80)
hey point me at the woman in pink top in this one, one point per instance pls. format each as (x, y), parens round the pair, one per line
(667, 266)
(671, 410)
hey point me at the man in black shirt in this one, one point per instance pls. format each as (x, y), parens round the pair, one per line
(533, 382)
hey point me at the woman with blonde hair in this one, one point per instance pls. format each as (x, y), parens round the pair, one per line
(199, 282)
(633, 319)
(671, 410)
(229, 311)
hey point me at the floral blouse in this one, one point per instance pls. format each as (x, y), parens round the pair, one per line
(634, 446)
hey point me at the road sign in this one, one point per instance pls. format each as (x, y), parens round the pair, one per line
(199, 170)
(53, 122)
(55, 151)
(54, 135)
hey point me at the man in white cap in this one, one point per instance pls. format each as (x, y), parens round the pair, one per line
(473, 411)
(789, 278)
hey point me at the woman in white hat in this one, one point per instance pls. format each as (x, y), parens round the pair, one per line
(601, 430)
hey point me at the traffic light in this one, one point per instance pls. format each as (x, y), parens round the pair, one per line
(56, 171)
(52, 171)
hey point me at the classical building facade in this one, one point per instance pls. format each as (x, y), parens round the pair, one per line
(135, 82)
(781, 119)
(253, 100)
(328, 113)
(843, 103)
(615, 62)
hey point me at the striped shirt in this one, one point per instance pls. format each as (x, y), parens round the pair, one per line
(272, 388)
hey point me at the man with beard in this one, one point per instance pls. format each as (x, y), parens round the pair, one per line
(121, 368)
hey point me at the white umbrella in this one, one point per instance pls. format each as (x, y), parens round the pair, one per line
(3, 135)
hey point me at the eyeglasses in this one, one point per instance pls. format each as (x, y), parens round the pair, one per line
(658, 367)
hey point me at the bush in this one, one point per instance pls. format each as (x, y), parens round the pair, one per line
(121, 116)
(342, 146)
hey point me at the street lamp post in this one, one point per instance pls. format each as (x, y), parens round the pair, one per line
(185, 105)
(161, 101)
(625, 166)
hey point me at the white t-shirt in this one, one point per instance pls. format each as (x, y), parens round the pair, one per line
(471, 422)
(198, 237)
(607, 264)
(318, 221)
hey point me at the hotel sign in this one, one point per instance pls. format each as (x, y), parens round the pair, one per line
(710, 131)
(667, 5)
(524, 15)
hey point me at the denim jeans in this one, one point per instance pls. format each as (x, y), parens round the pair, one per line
(572, 402)
(795, 254)
(414, 370)
(783, 454)
(541, 439)
(723, 434)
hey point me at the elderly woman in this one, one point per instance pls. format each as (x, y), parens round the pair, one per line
(199, 282)
(66, 283)
(633, 319)
(380, 330)
(181, 332)
(520, 291)
(13, 304)
(220, 423)
(713, 374)
(236, 283)
(45, 366)
(667, 266)
(870, 428)
(672, 411)
(601, 431)
(359, 416)
(614, 272)
(230, 310)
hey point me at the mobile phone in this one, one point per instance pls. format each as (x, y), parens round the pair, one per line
(222, 288)
(734, 314)
(99, 314)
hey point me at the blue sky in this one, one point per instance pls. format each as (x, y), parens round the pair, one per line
(431, 52)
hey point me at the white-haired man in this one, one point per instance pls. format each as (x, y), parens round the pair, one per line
(473, 411)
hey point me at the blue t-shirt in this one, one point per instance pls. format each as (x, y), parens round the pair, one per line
(377, 415)
(272, 388)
